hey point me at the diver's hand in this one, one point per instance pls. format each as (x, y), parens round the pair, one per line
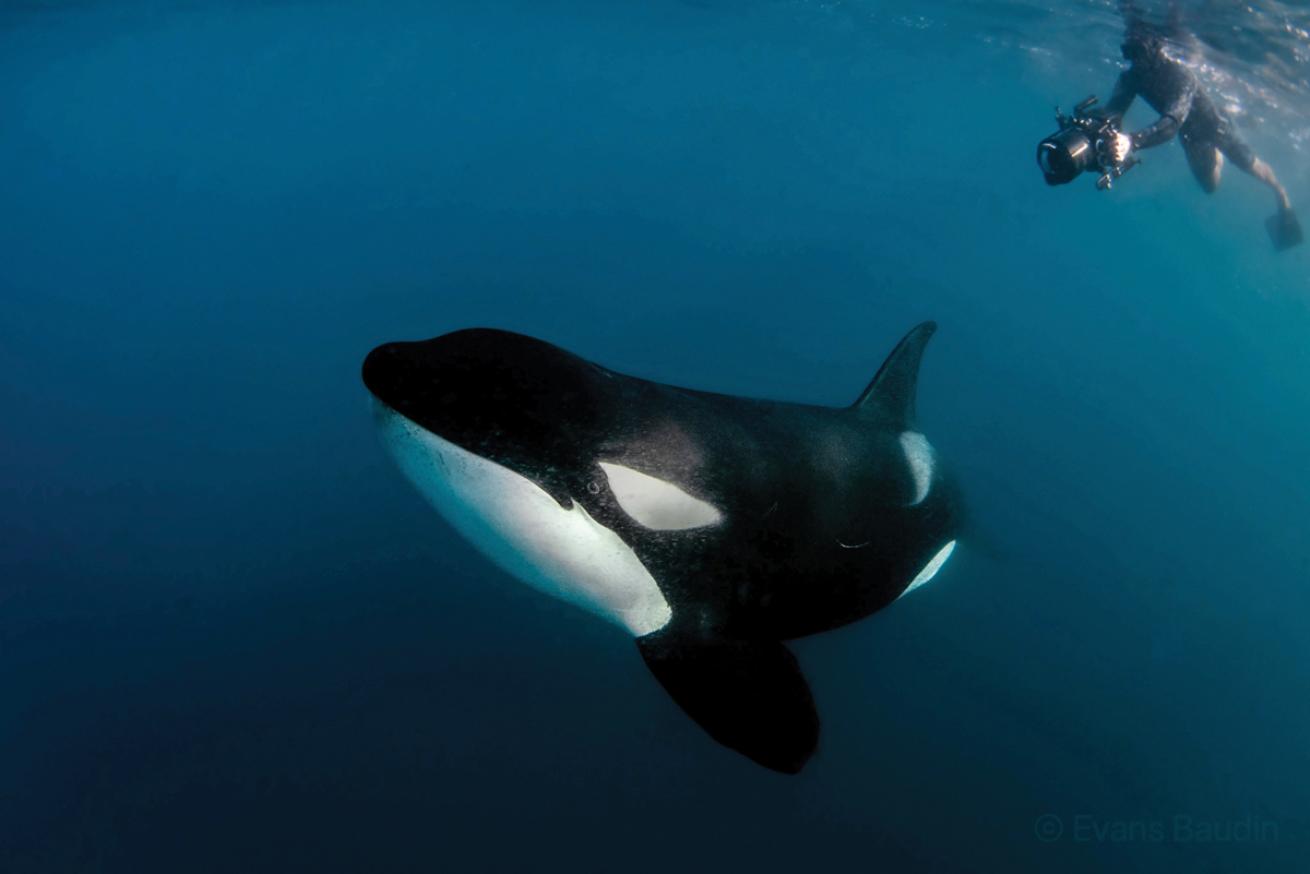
(1121, 147)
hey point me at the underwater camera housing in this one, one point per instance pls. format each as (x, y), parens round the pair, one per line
(1083, 143)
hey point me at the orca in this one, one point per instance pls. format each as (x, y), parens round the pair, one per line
(711, 527)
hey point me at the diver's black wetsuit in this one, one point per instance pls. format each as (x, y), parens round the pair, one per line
(1185, 109)
(1207, 135)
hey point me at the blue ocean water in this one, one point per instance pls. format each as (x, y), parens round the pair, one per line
(232, 638)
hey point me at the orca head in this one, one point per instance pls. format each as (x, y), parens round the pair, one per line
(515, 400)
(499, 432)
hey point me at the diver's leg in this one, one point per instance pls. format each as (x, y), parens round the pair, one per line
(1244, 159)
(1262, 171)
(1205, 159)
(1283, 226)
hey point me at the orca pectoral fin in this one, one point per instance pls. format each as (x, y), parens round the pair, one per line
(749, 695)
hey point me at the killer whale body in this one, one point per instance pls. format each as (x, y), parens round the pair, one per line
(713, 527)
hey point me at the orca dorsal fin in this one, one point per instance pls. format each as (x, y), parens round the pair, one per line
(891, 393)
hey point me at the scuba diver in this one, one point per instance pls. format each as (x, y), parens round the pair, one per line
(1207, 135)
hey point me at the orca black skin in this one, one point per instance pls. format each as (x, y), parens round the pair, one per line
(734, 524)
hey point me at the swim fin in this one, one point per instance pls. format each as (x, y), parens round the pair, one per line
(1284, 229)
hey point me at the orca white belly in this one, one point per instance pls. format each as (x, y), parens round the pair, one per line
(562, 552)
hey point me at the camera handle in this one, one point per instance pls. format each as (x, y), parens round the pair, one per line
(1110, 174)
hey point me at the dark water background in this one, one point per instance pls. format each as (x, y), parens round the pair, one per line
(233, 639)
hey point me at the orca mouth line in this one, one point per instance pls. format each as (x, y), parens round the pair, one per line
(381, 410)
(389, 421)
(385, 414)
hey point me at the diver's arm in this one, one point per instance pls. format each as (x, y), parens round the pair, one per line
(1169, 122)
(1156, 134)
(1122, 98)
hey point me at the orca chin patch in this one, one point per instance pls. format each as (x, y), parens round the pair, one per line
(655, 503)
